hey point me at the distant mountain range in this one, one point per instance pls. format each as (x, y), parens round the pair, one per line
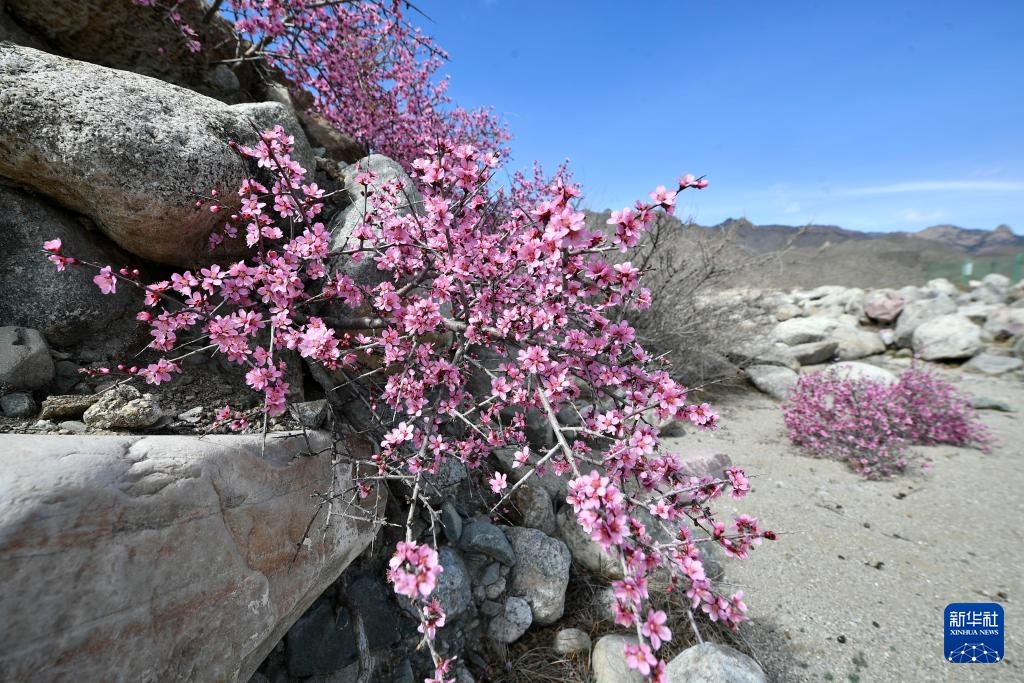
(769, 238)
(784, 256)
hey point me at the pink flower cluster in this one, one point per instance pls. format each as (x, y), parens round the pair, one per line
(488, 314)
(872, 425)
(414, 569)
(369, 72)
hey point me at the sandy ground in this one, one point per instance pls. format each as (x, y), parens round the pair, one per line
(856, 586)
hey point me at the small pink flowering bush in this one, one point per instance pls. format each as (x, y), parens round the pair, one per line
(872, 425)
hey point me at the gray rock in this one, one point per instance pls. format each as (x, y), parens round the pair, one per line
(453, 586)
(811, 353)
(140, 39)
(123, 407)
(989, 364)
(512, 623)
(451, 522)
(570, 641)
(986, 293)
(204, 528)
(978, 312)
(773, 380)
(556, 487)
(445, 483)
(997, 281)
(126, 150)
(69, 407)
(74, 426)
(585, 552)
(223, 80)
(1004, 323)
(534, 508)
(491, 573)
(942, 286)
(25, 361)
(608, 660)
(948, 337)
(854, 343)
(788, 312)
(494, 590)
(541, 572)
(18, 405)
(66, 307)
(804, 330)
(489, 608)
(309, 414)
(987, 403)
(713, 663)
(862, 371)
(480, 536)
(192, 415)
(369, 600)
(321, 642)
(344, 224)
(917, 312)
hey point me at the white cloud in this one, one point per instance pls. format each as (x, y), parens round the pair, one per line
(792, 207)
(936, 186)
(914, 216)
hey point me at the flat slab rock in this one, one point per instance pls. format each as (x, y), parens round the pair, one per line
(162, 557)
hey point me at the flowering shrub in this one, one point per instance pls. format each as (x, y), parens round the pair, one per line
(872, 425)
(370, 73)
(521, 301)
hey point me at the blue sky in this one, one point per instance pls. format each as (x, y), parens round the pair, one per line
(871, 115)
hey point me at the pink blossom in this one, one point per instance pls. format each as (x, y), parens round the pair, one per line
(654, 628)
(106, 280)
(499, 482)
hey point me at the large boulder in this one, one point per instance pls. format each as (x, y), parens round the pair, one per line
(541, 572)
(917, 312)
(948, 337)
(713, 663)
(165, 557)
(128, 151)
(66, 307)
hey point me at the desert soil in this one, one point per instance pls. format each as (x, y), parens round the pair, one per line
(855, 587)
